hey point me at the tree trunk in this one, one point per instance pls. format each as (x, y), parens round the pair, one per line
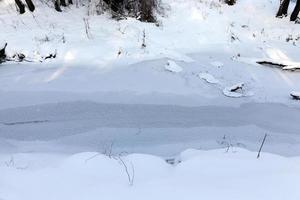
(283, 9)
(57, 5)
(30, 5)
(116, 6)
(146, 10)
(296, 11)
(63, 3)
(21, 6)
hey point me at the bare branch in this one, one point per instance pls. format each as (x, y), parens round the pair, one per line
(131, 175)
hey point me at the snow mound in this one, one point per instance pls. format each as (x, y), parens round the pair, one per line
(208, 78)
(171, 66)
(236, 91)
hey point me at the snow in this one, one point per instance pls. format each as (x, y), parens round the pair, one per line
(105, 89)
(208, 78)
(171, 66)
(217, 64)
(197, 174)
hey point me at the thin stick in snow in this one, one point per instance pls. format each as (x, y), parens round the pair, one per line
(261, 146)
(130, 176)
(87, 27)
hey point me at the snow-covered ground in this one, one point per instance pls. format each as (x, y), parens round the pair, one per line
(186, 27)
(196, 84)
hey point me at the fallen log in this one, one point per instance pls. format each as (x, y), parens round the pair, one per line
(291, 66)
(269, 63)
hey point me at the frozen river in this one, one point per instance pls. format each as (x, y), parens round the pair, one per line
(157, 129)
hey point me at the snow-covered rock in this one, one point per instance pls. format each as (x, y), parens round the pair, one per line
(295, 95)
(235, 91)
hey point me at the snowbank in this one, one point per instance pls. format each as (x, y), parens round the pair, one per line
(218, 174)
